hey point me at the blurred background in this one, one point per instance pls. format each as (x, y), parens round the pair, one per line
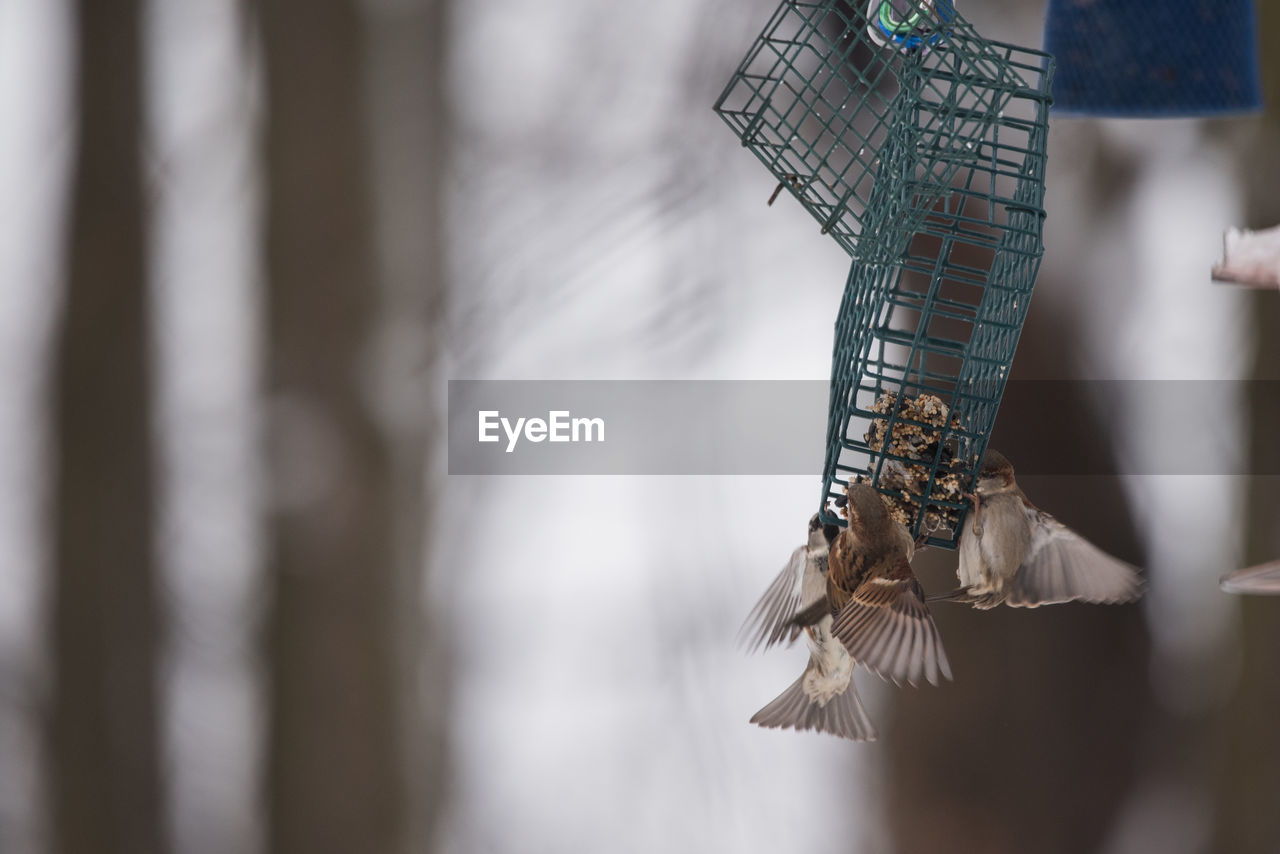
(244, 607)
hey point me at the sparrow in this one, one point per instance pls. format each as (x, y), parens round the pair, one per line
(797, 597)
(874, 599)
(1015, 553)
(1263, 579)
(824, 698)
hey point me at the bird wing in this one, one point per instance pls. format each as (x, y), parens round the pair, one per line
(886, 626)
(1263, 578)
(773, 619)
(1063, 566)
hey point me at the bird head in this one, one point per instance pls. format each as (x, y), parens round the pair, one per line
(820, 534)
(995, 474)
(866, 509)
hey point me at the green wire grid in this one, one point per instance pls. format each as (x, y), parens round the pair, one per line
(817, 99)
(937, 307)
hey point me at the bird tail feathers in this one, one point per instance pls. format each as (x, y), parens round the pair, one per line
(842, 715)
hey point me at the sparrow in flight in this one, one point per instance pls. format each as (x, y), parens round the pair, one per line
(877, 605)
(853, 595)
(824, 697)
(1263, 579)
(1015, 553)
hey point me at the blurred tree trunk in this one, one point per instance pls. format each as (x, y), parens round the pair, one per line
(1036, 744)
(104, 732)
(336, 778)
(1248, 785)
(412, 127)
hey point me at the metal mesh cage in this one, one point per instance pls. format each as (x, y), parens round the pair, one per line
(932, 313)
(820, 99)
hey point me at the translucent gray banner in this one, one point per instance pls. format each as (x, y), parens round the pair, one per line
(756, 427)
(637, 427)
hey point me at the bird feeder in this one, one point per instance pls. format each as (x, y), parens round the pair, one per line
(827, 90)
(927, 331)
(919, 147)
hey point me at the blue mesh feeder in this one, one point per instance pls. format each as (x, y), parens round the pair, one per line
(930, 319)
(828, 90)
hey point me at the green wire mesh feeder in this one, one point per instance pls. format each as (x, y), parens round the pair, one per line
(920, 148)
(927, 332)
(820, 95)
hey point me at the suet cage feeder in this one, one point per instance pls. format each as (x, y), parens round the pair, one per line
(936, 320)
(823, 91)
(919, 146)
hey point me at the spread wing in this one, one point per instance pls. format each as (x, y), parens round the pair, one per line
(798, 587)
(1263, 578)
(886, 626)
(1063, 566)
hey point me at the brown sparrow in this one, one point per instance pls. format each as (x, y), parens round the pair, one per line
(1015, 553)
(877, 604)
(824, 698)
